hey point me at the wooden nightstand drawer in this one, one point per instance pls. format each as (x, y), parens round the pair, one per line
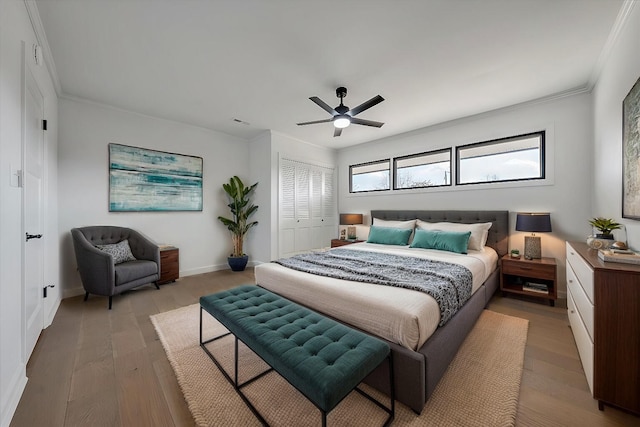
(337, 242)
(524, 268)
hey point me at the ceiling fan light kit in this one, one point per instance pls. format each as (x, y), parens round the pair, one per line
(342, 116)
(341, 122)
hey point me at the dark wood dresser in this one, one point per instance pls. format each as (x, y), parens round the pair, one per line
(603, 300)
(169, 264)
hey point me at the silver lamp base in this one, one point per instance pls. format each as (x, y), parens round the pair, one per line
(532, 248)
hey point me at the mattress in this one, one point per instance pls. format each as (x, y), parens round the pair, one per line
(402, 316)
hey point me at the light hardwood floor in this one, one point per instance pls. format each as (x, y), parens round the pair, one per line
(95, 367)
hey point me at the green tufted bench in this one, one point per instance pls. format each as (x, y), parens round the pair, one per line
(323, 359)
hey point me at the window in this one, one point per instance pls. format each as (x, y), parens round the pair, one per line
(432, 169)
(373, 176)
(508, 159)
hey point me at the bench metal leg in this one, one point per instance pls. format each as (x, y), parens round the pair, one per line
(391, 410)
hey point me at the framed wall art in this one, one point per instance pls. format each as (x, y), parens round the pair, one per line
(631, 153)
(149, 180)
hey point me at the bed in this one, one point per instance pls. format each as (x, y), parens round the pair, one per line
(404, 318)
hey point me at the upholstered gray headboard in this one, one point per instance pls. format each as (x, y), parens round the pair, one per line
(498, 233)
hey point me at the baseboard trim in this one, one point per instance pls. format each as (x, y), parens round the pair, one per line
(52, 313)
(201, 270)
(73, 292)
(16, 388)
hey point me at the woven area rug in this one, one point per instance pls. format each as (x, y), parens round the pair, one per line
(480, 387)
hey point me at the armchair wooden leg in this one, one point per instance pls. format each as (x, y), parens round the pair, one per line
(86, 296)
(157, 286)
(110, 301)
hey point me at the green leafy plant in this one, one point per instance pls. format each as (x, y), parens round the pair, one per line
(241, 208)
(604, 225)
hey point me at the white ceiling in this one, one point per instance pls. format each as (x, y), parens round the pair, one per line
(206, 62)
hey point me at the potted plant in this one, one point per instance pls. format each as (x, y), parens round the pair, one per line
(605, 226)
(241, 209)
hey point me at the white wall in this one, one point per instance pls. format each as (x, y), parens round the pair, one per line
(86, 129)
(619, 74)
(15, 28)
(566, 195)
(259, 240)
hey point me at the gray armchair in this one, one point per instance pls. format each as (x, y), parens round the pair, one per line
(99, 274)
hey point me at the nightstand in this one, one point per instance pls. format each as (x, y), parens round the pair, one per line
(169, 264)
(337, 242)
(525, 277)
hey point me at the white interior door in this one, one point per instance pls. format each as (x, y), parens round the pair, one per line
(33, 218)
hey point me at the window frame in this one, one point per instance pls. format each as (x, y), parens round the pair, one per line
(541, 177)
(410, 156)
(351, 191)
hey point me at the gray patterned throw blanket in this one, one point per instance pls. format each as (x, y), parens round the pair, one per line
(449, 284)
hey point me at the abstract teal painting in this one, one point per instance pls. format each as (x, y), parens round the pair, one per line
(150, 180)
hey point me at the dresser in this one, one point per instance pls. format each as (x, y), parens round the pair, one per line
(603, 303)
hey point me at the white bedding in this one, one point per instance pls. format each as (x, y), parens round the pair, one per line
(399, 315)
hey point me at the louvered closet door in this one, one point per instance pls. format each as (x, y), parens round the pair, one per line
(323, 208)
(303, 209)
(287, 209)
(307, 207)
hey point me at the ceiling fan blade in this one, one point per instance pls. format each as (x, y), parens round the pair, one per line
(365, 105)
(371, 123)
(324, 105)
(337, 132)
(314, 122)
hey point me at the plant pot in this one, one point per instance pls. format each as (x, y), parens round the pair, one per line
(238, 263)
(595, 242)
(604, 236)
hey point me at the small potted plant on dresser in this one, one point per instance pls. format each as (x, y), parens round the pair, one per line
(604, 238)
(241, 209)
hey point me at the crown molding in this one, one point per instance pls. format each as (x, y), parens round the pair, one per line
(618, 25)
(41, 37)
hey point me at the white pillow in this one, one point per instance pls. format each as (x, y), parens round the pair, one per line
(479, 231)
(406, 225)
(394, 224)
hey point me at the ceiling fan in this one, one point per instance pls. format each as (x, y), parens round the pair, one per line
(342, 115)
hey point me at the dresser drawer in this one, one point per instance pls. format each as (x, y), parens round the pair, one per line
(536, 270)
(582, 270)
(581, 301)
(583, 342)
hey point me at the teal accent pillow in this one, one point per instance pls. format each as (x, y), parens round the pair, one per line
(389, 236)
(452, 241)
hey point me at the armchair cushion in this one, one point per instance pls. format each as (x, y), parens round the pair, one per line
(132, 270)
(121, 252)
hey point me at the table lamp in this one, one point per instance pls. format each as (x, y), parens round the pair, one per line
(535, 223)
(351, 220)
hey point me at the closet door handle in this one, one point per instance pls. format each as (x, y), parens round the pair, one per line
(33, 236)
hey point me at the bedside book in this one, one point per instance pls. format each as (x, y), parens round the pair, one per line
(625, 257)
(535, 287)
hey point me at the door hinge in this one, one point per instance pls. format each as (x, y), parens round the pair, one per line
(44, 290)
(44, 125)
